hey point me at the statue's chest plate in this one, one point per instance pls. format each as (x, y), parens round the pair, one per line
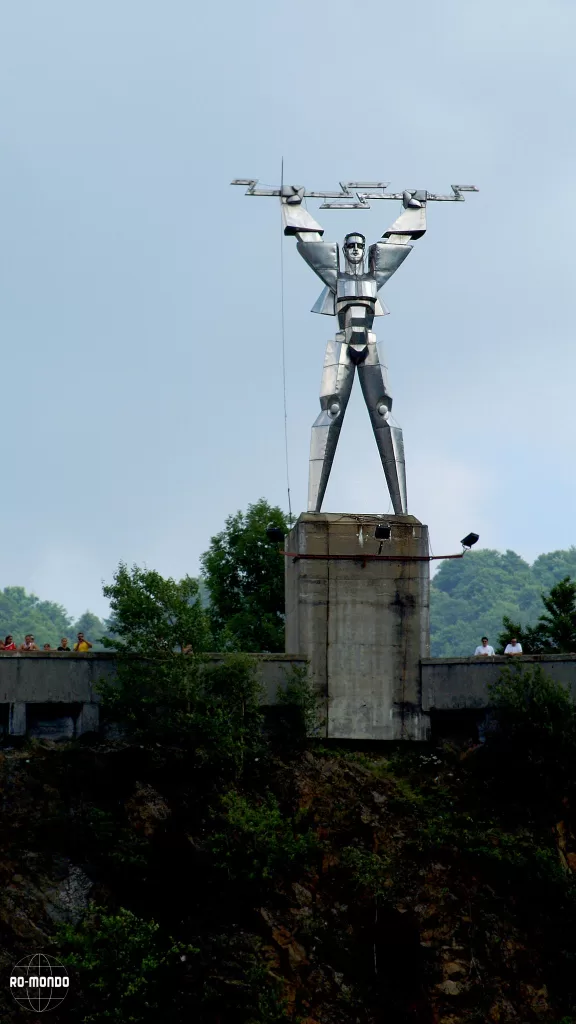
(349, 287)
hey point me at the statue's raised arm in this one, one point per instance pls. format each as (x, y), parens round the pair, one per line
(322, 257)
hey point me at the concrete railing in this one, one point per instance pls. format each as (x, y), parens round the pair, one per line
(54, 694)
(458, 683)
(51, 694)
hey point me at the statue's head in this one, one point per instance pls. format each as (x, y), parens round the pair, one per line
(354, 248)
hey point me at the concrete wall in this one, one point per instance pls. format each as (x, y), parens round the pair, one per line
(54, 695)
(363, 625)
(458, 683)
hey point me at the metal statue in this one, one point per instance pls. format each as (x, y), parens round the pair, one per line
(351, 294)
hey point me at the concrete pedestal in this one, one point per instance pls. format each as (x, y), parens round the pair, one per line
(363, 624)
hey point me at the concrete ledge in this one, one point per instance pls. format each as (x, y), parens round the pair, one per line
(53, 694)
(452, 683)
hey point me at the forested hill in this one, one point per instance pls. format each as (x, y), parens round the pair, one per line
(470, 595)
(22, 613)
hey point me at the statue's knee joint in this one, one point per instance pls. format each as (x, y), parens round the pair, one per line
(334, 408)
(382, 409)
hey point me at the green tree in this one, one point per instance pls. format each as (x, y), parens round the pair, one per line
(244, 573)
(549, 568)
(531, 638)
(536, 737)
(150, 613)
(555, 630)
(470, 596)
(128, 969)
(164, 692)
(22, 613)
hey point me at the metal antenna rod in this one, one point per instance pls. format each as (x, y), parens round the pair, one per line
(284, 354)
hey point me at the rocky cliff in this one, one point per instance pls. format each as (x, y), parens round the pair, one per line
(328, 887)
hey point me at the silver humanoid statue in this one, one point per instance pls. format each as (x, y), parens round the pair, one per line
(351, 294)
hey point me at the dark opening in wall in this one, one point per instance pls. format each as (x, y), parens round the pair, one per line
(53, 721)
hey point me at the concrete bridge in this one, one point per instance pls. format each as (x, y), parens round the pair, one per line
(54, 695)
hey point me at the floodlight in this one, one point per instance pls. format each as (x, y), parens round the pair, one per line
(470, 539)
(275, 534)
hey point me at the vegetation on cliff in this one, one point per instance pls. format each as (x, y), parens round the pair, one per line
(217, 865)
(327, 886)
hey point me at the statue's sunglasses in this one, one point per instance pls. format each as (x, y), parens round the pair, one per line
(354, 245)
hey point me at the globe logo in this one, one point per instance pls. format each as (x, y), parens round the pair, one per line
(39, 982)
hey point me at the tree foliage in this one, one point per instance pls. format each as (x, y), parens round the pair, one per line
(244, 573)
(150, 613)
(535, 739)
(22, 613)
(164, 691)
(126, 968)
(471, 596)
(555, 630)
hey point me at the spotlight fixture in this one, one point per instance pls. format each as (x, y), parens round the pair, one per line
(382, 532)
(275, 534)
(469, 540)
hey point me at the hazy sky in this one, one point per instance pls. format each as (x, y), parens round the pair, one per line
(140, 294)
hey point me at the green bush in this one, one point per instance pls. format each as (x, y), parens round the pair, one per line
(213, 711)
(118, 844)
(297, 714)
(530, 703)
(126, 968)
(370, 871)
(536, 733)
(257, 842)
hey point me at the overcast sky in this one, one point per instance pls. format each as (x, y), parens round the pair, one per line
(140, 293)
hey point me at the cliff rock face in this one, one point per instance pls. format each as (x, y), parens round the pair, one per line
(331, 888)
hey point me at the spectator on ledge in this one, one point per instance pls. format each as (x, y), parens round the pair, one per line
(485, 648)
(9, 644)
(64, 644)
(28, 644)
(82, 644)
(513, 647)
(46, 647)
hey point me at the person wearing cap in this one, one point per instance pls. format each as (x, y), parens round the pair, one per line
(484, 648)
(513, 647)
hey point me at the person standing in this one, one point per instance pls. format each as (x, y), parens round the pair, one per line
(9, 644)
(64, 644)
(82, 644)
(484, 648)
(28, 644)
(513, 647)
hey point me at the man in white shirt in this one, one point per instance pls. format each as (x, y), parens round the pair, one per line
(484, 648)
(513, 647)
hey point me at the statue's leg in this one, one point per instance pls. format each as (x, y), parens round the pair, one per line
(337, 378)
(389, 439)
